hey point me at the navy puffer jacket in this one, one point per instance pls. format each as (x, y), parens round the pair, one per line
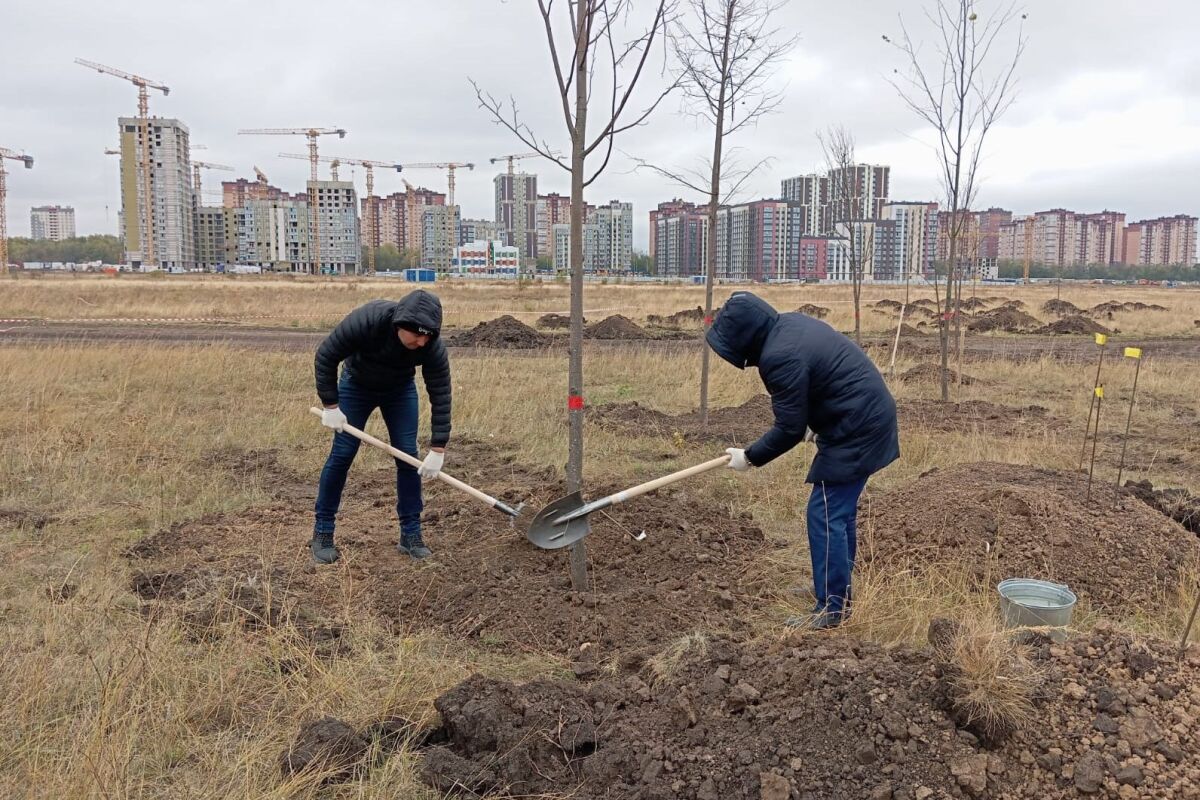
(817, 379)
(366, 341)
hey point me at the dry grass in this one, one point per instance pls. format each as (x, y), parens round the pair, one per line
(104, 445)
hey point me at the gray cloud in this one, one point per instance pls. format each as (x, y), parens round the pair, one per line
(396, 76)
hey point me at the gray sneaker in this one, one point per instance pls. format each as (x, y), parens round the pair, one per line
(414, 547)
(324, 551)
(817, 621)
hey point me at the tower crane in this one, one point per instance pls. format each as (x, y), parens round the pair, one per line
(260, 175)
(144, 85)
(28, 161)
(199, 165)
(516, 157)
(449, 166)
(311, 134)
(373, 211)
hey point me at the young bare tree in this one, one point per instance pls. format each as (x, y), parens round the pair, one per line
(847, 217)
(960, 91)
(593, 62)
(726, 54)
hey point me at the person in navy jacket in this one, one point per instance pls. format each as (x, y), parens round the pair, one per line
(819, 381)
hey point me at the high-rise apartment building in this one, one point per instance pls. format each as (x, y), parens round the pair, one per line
(337, 243)
(917, 229)
(54, 223)
(480, 230)
(401, 217)
(858, 192)
(680, 236)
(1165, 241)
(439, 236)
(812, 193)
(172, 207)
(609, 247)
(235, 194)
(1056, 238)
(1101, 238)
(272, 234)
(552, 209)
(212, 227)
(870, 246)
(516, 211)
(665, 209)
(759, 241)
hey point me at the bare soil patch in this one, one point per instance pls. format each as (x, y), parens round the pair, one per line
(820, 312)
(1073, 325)
(977, 416)
(734, 426)
(1178, 504)
(932, 373)
(616, 327)
(1061, 308)
(688, 317)
(1008, 318)
(555, 322)
(503, 332)
(487, 583)
(1001, 521)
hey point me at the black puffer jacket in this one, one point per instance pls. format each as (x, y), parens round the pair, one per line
(366, 341)
(817, 379)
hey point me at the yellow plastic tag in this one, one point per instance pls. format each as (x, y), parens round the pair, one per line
(1101, 339)
(1100, 391)
(1133, 352)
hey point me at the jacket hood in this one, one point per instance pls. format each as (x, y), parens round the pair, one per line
(419, 308)
(740, 329)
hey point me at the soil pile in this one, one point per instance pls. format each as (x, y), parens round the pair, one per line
(1074, 324)
(616, 327)
(1061, 308)
(1109, 307)
(1008, 318)
(909, 330)
(931, 373)
(831, 717)
(820, 312)
(736, 426)
(555, 322)
(977, 416)
(688, 317)
(1178, 504)
(505, 332)
(696, 569)
(1001, 521)
(973, 304)
(888, 305)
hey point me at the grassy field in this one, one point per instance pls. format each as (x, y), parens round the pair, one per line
(101, 446)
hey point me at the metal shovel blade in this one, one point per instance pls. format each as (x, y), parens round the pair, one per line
(548, 536)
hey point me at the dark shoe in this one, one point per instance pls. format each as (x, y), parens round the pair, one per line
(818, 621)
(412, 546)
(324, 551)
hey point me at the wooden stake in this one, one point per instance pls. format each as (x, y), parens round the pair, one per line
(1136, 354)
(1099, 393)
(1101, 340)
(1188, 629)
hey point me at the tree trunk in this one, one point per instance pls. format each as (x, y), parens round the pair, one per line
(945, 326)
(714, 198)
(857, 282)
(579, 580)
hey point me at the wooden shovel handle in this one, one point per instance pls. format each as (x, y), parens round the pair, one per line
(411, 461)
(658, 483)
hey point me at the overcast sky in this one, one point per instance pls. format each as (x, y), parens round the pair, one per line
(1108, 114)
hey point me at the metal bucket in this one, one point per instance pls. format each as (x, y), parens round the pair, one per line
(1030, 603)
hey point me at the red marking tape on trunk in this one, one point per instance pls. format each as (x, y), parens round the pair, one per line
(575, 403)
(708, 320)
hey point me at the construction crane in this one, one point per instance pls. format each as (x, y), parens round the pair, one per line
(28, 161)
(310, 133)
(262, 176)
(373, 215)
(199, 165)
(449, 166)
(517, 157)
(144, 85)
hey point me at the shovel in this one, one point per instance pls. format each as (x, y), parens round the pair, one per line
(416, 462)
(565, 521)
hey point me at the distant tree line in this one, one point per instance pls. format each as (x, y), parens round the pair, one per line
(78, 250)
(389, 258)
(1119, 272)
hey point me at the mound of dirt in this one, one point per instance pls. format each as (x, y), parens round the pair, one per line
(1073, 324)
(977, 416)
(1001, 521)
(1019, 305)
(326, 745)
(505, 332)
(689, 316)
(736, 426)
(925, 302)
(973, 304)
(907, 330)
(931, 373)
(828, 717)
(1006, 318)
(820, 312)
(1178, 504)
(1109, 307)
(616, 327)
(1061, 308)
(889, 305)
(556, 322)
(696, 569)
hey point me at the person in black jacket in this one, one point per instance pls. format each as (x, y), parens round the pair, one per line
(819, 380)
(380, 345)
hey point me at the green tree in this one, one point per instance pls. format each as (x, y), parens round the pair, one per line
(643, 263)
(78, 250)
(545, 263)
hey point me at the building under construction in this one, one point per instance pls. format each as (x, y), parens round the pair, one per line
(171, 197)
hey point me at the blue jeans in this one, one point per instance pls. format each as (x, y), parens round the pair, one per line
(833, 540)
(399, 409)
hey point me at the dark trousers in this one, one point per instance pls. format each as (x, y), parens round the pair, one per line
(833, 540)
(399, 409)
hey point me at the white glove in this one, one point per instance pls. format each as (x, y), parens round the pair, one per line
(333, 418)
(810, 435)
(432, 464)
(737, 459)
